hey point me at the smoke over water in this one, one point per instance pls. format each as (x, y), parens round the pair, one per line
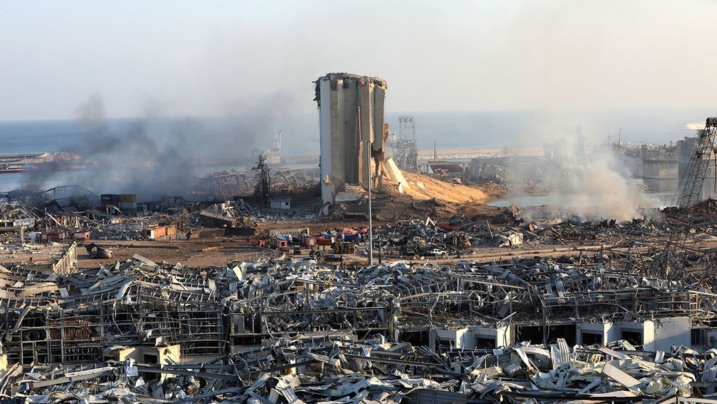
(584, 177)
(155, 155)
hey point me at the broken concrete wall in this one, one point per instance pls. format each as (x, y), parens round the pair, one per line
(502, 336)
(596, 333)
(638, 333)
(672, 331)
(394, 174)
(67, 264)
(458, 339)
(153, 355)
(477, 337)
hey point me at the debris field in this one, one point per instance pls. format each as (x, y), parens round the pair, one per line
(580, 311)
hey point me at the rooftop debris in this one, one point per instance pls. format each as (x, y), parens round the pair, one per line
(230, 183)
(584, 311)
(310, 332)
(338, 368)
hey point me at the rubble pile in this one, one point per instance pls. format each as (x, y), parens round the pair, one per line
(341, 369)
(227, 213)
(297, 330)
(581, 232)
(15, 216)
(701, 215)
(58, 224)
(65, 198)
(292, 177)
(511, 227)
(231, 183)
(466, 234)
(225, 183)
(592, 311)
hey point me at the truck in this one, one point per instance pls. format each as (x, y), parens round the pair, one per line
(435, 252)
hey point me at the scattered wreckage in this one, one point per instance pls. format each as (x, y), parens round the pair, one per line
(96, 251)
(633, 318)
(340, 369)
(295, 330)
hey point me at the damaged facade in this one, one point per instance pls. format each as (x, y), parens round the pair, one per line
(290, 330)
(352, 131)
(630, 320)
(466, 308)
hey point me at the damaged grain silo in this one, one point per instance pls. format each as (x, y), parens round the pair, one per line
(350, 114)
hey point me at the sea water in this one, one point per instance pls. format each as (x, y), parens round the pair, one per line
(166, 139)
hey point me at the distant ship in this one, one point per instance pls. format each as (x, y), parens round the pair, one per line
(273, 155)
(443, 167)
(17, 168)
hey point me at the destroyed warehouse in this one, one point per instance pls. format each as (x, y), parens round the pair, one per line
(485, 308)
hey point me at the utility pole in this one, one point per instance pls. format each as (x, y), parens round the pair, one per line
(370, 222)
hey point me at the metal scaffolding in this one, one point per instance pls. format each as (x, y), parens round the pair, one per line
(405, 151)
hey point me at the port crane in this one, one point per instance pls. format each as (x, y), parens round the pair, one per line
(692, 187)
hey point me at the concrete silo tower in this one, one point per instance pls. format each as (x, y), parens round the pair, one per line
(351, 118)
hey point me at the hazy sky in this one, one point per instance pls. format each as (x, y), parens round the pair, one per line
(223, 57)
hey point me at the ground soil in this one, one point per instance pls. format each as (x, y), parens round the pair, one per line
(426, 198)
(435, 199)
(225, 250)
(192, 253)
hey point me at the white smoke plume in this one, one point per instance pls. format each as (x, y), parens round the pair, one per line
(584, 177)
(155, 155)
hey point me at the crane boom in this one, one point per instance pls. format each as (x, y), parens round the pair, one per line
(691, 188)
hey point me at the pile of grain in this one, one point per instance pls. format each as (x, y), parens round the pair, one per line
(423, 187)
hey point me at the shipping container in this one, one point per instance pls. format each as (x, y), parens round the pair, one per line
(279, 242)
(81, 235)
(127, 205)
(128, 198)
(109, 198)
(53, 237)
(309, 241)
(154, 232)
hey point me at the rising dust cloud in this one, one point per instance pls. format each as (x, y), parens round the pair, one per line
(585, 179)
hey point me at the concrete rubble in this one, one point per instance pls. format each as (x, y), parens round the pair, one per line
(230, 183)
(618, 311)
(57, 224)
(339, 369)
(270, 331)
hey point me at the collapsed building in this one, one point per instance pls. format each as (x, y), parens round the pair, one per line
(632, 317)
(294, 328)
(58, 314)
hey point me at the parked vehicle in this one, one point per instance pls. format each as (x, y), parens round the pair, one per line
(436, 252)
